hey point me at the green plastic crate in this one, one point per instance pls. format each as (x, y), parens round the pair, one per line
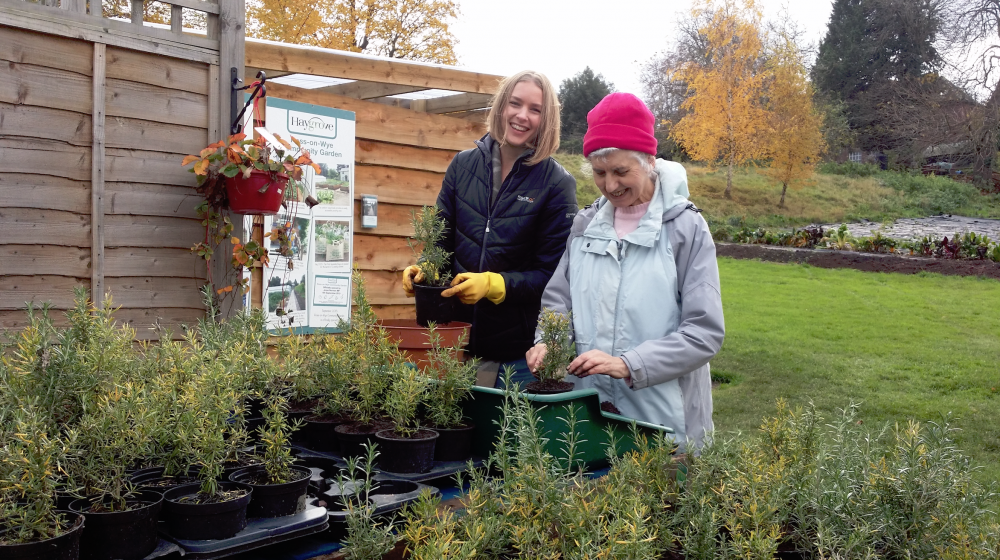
(485, 405)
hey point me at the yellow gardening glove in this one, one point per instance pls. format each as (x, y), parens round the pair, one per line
(411, 274)
(474, 286)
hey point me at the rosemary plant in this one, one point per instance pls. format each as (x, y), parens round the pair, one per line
(451, 381)
(31, 461)
(560, 349)
(367, 538)
(274, 435)
(403, 398)
(433, 260)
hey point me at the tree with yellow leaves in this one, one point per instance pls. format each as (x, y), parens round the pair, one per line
(795, 138)
(726, 117)
(410, 29)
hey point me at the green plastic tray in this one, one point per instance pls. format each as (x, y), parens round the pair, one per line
(484, 409)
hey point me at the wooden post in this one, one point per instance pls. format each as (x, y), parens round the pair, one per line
(97, 180)
(229, 27)
(137, 9)
(176, 19)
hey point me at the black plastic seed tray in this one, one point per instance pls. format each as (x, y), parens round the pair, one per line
(258, 532)
(310, 458)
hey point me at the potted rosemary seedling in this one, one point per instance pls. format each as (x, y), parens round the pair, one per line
(30, 526)
(279, 487)
(450, 382)
(209, 509)
(406, 448)
(560, 351)
(113, 435)
(435, 268)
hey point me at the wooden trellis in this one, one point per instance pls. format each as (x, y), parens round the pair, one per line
(95, 116)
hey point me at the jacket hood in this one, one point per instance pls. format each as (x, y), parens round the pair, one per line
(671, 192)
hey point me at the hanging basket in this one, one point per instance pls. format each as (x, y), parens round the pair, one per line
(245, 196)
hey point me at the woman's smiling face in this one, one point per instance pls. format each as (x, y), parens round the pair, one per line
(622, 179)
(523, 114)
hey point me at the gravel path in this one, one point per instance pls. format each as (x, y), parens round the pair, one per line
(934, 226)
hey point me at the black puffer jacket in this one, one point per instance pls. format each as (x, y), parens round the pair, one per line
(522, 238)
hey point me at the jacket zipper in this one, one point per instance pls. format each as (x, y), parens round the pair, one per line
(491, 207)
(622, 250)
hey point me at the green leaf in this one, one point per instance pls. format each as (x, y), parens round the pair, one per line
(230, 170)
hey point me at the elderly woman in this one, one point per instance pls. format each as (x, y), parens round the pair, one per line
(640, 277)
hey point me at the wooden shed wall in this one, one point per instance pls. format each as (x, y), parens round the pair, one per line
(401, 156)
(156, 110)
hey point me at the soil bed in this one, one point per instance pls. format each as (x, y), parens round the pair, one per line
(547, 387)
(866, 262)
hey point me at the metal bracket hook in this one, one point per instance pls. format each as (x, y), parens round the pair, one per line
(260, 90)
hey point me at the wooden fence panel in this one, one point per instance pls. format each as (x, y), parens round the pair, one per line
(369, 152)
(47, 260)
(398, 186)
(382, 253)
(30, 226)
(123, 132)
(393, 219)
(45, 123)
(28, 47)
(44, 192)
(182, 75)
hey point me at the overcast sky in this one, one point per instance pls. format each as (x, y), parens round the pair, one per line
(614, 37)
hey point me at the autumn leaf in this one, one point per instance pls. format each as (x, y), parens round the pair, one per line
(410, 29)
(189, 159)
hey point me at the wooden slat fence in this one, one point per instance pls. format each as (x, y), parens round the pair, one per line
(95, 117)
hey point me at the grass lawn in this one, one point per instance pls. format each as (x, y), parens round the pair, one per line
(826, 198)
(921, 347)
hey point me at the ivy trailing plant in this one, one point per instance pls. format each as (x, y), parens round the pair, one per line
(428, 231)
(238, 155)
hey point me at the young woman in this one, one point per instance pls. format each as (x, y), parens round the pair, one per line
(508, 207)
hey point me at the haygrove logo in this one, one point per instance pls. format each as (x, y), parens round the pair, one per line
(521, 198)
(315, 125)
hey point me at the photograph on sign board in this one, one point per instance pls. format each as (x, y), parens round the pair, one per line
(333, 243)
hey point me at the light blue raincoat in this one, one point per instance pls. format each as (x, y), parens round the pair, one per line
(651, 298)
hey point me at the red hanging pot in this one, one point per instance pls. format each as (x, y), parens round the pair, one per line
(245, 196)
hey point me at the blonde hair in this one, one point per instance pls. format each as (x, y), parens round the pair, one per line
(547, 140)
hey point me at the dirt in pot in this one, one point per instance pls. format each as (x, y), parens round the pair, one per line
(218, 498)
(260, 478)
(548, 387)
(608, 406)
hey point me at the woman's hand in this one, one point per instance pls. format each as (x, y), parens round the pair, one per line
(534, 357)
(593, 362)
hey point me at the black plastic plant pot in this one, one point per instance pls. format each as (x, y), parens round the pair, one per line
(199, 522)
(432, 307)
(454, 444)
(120, 535)
(353, 438)
(406, 455)
(274, 500)
(63, 547)
(320, 434)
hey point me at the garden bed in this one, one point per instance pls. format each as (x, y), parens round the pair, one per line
(865, 262)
